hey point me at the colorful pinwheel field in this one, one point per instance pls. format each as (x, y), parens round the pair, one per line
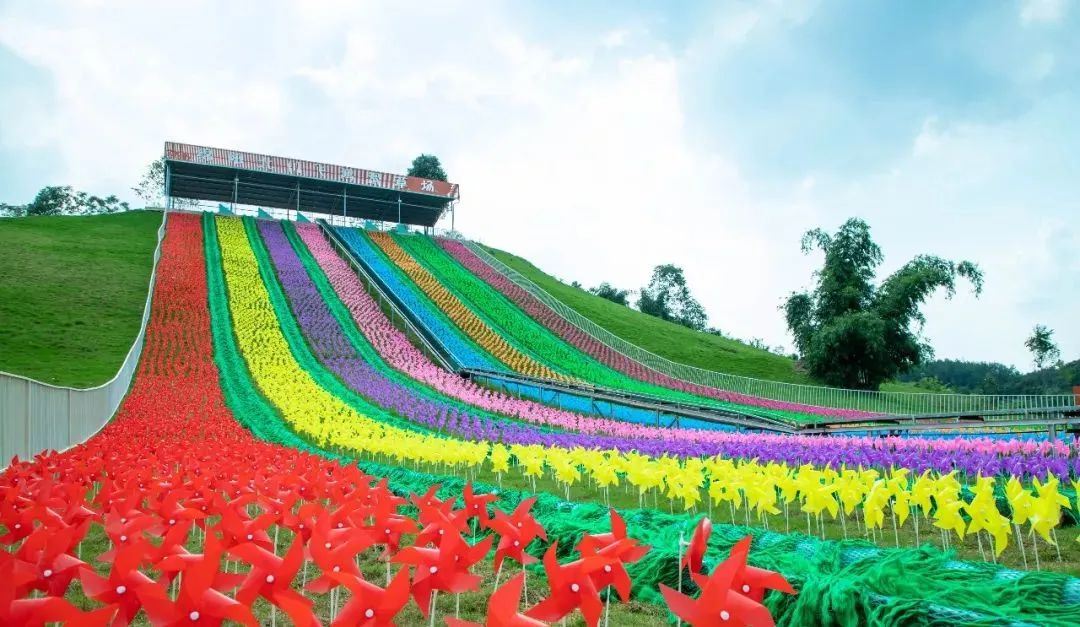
(286, 455)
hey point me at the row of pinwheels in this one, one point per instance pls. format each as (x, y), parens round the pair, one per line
(1023, 458)
(464, 350)
(605, 354)
(489, 339)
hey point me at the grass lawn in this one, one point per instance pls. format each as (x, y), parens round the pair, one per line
(667, 339)
(72, 290)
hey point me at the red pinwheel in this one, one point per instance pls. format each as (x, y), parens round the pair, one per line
(120, 588)
(197, 600)
(42, 610)
(271, 577)
(718, 605)
(16, 515)
(476, 505)
(429, 504)
(699, 544)
(516, 531)
(370, 605)
(445, 568)
(620, 548)
(722, 602)
(172, 513)
(333, 551)
(749, 581)
(439, 524)
(125, 530)
(572, 588)
(503, 608)
(20, 523)
(46, 552)
(387, 526)
(238, 529)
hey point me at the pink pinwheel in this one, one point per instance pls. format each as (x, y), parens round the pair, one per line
(370, 605)
(271, 577)
(571, 588)
(503, 608)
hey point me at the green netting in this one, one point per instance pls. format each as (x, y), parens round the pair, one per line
(839, 582)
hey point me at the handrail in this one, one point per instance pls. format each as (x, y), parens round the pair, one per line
(428, 338)
(892, 403)
(705, 413)
(79, 404)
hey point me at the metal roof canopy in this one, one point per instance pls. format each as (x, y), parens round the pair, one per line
(248, 179)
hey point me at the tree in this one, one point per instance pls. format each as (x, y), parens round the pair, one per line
(668, 297)
(427, 167)
(151, 187)
(63, 200)
(12, 211)
(1044, 351)
(854, 334)
(610, 292)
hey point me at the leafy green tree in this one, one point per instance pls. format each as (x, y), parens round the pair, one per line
(610, 292)
(151, 187)
(12, 211)
(63, 200)
(668, 297)
(854, 334)
(427, 167)
(1044, 350)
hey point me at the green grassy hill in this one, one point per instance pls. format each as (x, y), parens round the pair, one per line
(670, 340)
(72, 290)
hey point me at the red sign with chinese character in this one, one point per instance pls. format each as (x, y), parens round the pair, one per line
(310, 169)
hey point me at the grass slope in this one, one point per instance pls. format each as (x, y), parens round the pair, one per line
(667, 339)
(72, 290)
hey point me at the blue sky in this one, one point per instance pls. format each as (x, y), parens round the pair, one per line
(710, 135)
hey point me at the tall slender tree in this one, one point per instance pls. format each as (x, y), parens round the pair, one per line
(854, 334)
(1044, 351)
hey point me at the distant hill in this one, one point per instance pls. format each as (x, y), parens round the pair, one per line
(969, 377)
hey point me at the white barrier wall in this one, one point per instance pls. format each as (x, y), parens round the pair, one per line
(36, 416)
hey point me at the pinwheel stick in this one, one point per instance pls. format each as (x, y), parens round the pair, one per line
(917, 542)
(896, 532)
(1020, 541)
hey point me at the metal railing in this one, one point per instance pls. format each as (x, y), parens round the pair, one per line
(429, 340)
(37, 416)
(891, 403)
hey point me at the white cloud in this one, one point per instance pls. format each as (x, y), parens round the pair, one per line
(578, 158)
(1042, 11)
